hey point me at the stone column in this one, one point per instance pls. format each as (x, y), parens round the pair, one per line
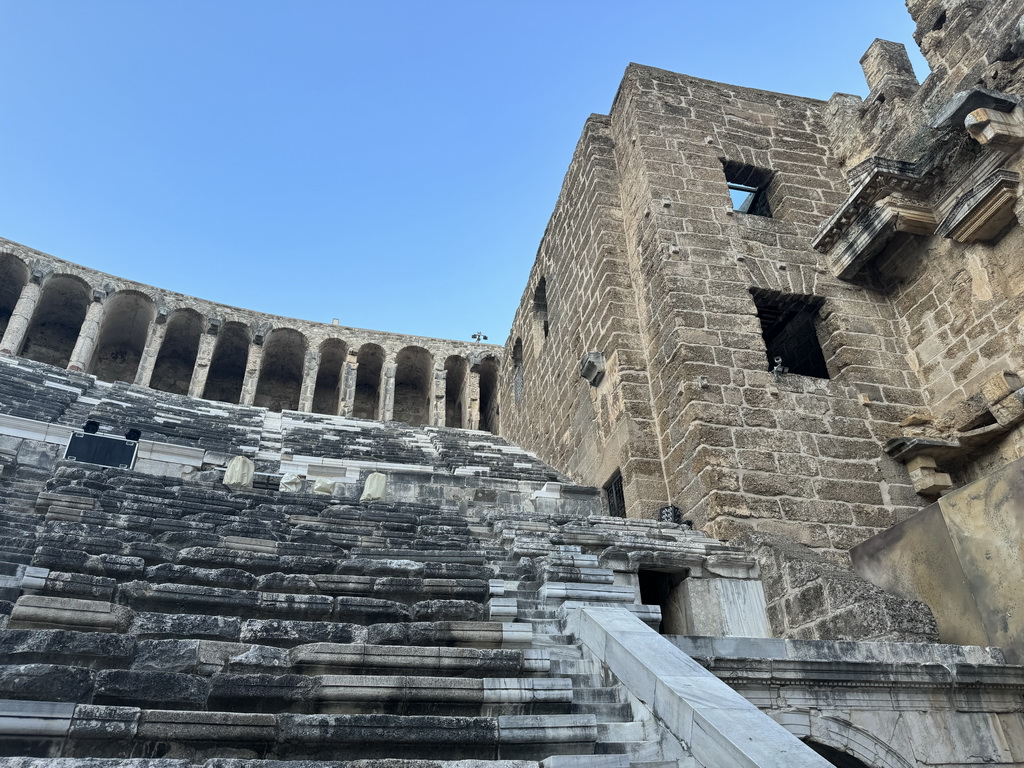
(387, 390)
(472, 420)
(347, 396)
(252, 372)
(204, 357)
(440, 396)
(14, 336)
(89, 334)
(308, 388)
(154, 340)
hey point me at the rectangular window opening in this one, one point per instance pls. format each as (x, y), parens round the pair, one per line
(789, 328)
(661, 588)
(616, 497)
(748, 188)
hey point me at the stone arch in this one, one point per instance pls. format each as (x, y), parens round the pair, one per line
(280, 383)
(489, 410)
(456, 367)
(122, 336)
(57, 320)
(838, 736)
(227, 366)
(176, 361)
(414, 374)
(367, 398)
(327, 391)
(13, 277)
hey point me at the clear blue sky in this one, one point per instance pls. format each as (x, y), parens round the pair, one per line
(389, 164)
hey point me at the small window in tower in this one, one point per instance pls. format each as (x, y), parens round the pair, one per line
(789, 327)
(748, 188)
(616, 498)
(540, 308)
(517, 371)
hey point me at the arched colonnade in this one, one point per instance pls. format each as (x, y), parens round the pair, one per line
(126, 335)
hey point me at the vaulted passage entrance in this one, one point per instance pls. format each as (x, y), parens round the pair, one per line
(122, 338)
(489, 413)
(227, 368)
(280, 382)
(413, 376)
(55, 325)
(455, 391)
(177, 357)
(371, 362)
(329, 376)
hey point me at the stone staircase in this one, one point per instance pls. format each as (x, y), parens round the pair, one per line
(159, 622)
(187, 624)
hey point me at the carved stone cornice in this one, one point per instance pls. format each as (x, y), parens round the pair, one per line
(982, 212)
(872, 230)
(870, 181)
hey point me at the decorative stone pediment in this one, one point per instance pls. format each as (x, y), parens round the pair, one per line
(932, 196)
(888, 196)
(874, 227)
(983, 211)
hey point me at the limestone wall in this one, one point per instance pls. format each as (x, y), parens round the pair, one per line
(742, 448)
(587, 303)
(882, 230)
(70, 316)
(957, 291)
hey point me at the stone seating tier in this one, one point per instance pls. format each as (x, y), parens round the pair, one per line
(23, 381)
(168, 615)
(152, 615)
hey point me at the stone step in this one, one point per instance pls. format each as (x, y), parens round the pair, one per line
(638, 740)
(342, 694)
(101, 650)
(71, 727)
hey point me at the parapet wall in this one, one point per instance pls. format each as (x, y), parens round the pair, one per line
(73, 317)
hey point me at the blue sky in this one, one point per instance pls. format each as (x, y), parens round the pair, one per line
(391, 165)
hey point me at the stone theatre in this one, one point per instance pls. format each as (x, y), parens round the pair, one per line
(744, 487)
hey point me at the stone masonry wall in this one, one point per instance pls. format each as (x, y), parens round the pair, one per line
(588, 431)
(959, 305)
(742, 449)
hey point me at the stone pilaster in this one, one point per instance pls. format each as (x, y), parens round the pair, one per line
(89, 333)
(309, 373)
(204, 356)
(472, 420)
(252, 372)
(440, 392)
(387, 390)
(154, 340)
(347, 395)
(14, 336)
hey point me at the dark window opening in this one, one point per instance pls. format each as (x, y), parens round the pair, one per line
(518, 382)
(748, 188)
(540, 305)
(616, 497)
(834, 756)
(658, 588)
(789, 328)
